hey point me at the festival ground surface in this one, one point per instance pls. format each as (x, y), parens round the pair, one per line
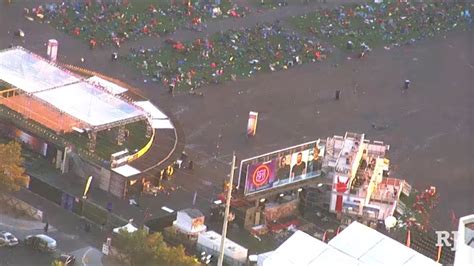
(429, 127)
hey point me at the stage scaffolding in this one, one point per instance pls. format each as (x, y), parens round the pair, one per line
(61, 101)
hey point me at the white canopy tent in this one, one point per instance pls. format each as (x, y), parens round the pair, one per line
(355, 245)
(210, 242)
(302, 249)
(126, 170)
(128, 228)
(372, 247)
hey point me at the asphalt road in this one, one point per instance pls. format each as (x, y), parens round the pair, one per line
(20, 256)
(70, 244)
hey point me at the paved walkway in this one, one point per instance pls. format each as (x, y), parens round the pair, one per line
(62, 219)
(22, 224)
(64, 227)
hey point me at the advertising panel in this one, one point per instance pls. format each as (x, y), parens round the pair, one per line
(282, 167)
(197, 223)
(30, 141)
(252, 124)
(260, 176)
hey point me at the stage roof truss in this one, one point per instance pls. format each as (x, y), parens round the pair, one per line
(118, 123)
(65, 91)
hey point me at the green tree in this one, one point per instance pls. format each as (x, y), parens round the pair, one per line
(57, 262)
(141, 248)
(175, 256)
(12, 173)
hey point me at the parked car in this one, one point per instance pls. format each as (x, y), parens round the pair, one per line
(8, 239)
(41, 242)
(67, 259)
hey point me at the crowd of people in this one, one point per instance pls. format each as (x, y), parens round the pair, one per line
(226, 56)
(390, 22)
(102, 22)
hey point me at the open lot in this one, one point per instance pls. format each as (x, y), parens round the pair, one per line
(429, 127)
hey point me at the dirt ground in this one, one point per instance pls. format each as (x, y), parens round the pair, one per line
(429, 128)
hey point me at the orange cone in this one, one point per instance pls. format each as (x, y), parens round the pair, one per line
(408, 238)
(440, 248)
(325, 236)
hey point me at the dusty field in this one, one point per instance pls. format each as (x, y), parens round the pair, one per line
(429, 128)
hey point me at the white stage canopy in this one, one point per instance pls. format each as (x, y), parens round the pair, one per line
(158, 119)
(89, 104)
(31, 73)
(152, 110)
(161, 124)
(107, 85)
(64, 90)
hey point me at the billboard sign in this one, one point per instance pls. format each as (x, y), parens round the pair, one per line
(282, 167)
(30, 141)
(261, 176)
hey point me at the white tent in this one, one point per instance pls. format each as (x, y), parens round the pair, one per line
(210, 242)
(126, 170)
(372, 247)
(302, 249)
(128, 227)
(355, 245)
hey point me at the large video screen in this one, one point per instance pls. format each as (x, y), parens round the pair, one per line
(282, 167)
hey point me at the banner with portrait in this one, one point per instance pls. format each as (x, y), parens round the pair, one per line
(282, 167)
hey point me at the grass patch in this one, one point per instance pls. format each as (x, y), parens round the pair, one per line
(225, 56)
(383, 24)
(110, 22)
(106, 140)
(94, 213)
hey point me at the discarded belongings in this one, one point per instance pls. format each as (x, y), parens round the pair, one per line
(225, 56)
(387, 23)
